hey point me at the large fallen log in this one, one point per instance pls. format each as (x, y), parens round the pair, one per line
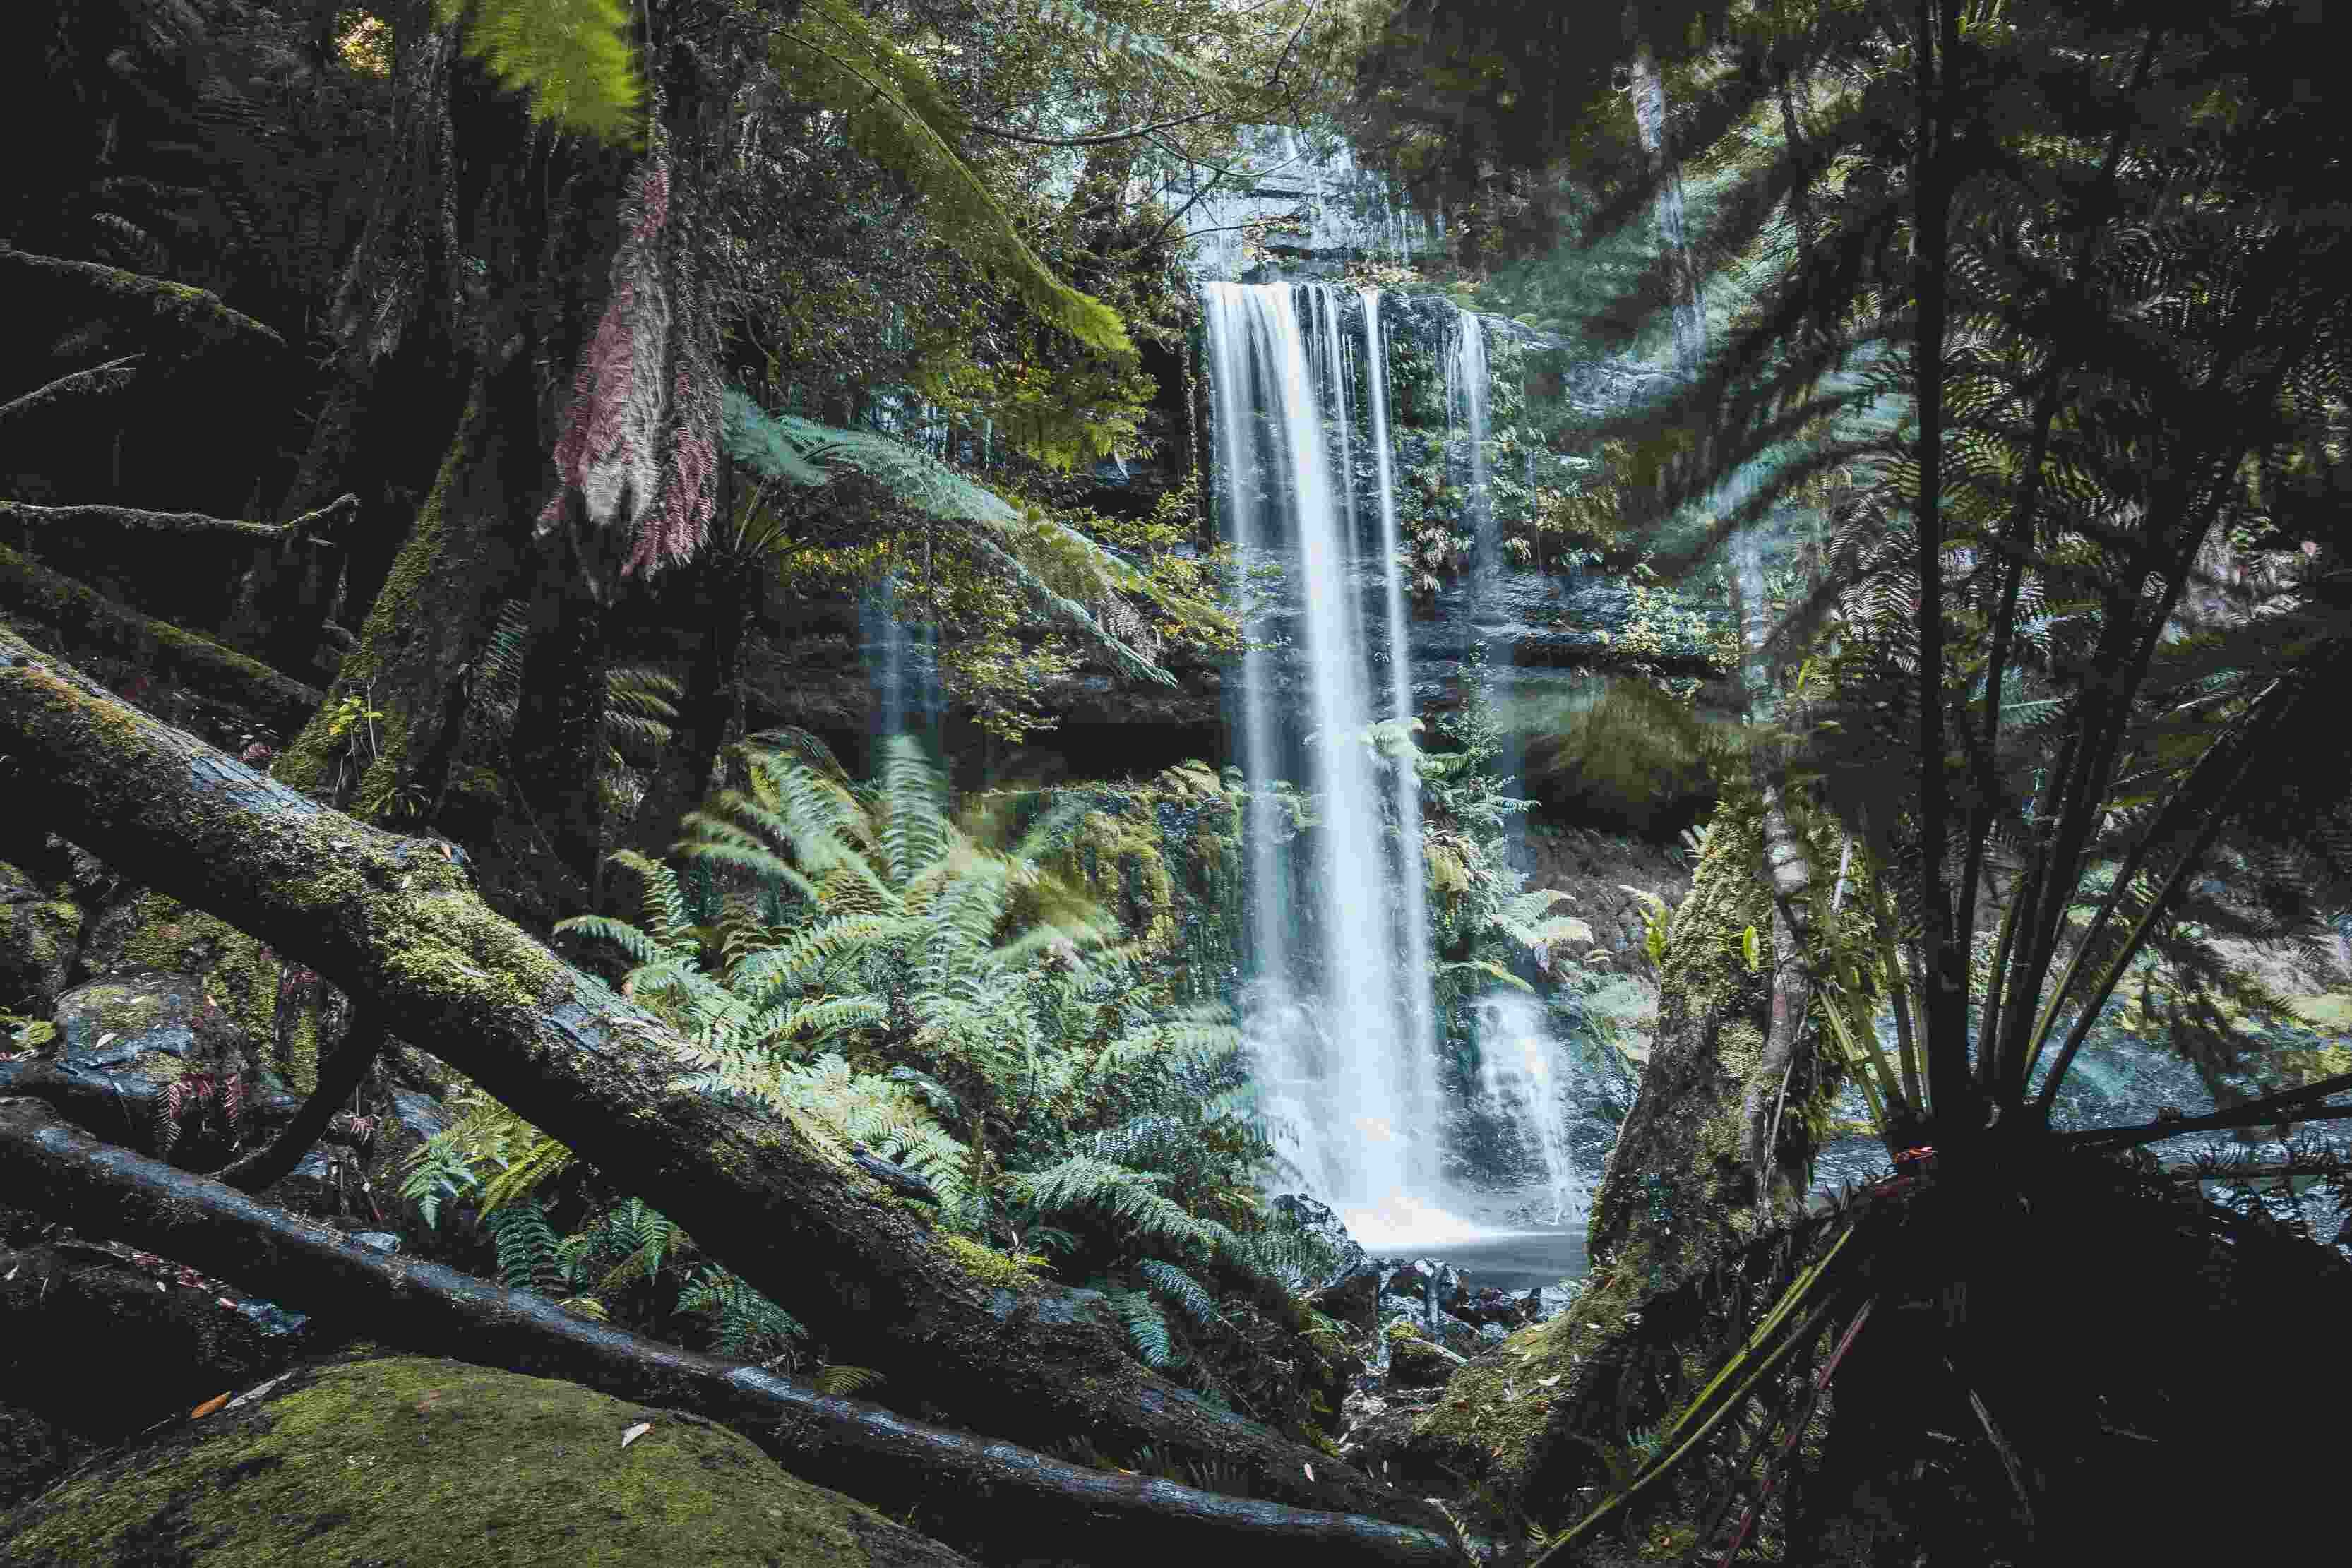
(1005, 1502)
(397, 926)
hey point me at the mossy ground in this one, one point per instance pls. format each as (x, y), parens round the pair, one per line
(423, 1461)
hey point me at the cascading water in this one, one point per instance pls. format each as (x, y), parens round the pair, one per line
(1516, 1056)
(1466, 386)
(1340, 1016)
(1413, 912)
(1341, 1069)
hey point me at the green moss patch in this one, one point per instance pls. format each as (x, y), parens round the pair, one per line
(1000, 1271)
(423, 1462)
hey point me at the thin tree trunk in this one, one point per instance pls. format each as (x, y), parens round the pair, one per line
(395, 924)
(969, 1489)
(1945, 958)
(1787, 859)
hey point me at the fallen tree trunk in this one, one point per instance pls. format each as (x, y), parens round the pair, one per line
(972, 1489)
(76, 613)
(397, 927)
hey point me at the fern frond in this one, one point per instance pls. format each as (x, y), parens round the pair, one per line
(529, 1251)
(541, 1161)
(745, 1323)
(637, 944)
(784, 445)
(847, 1380)
(571, 56)
(1183, 1290)
(895, 114)
(1147, 1329)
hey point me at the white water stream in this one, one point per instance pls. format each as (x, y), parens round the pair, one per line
(1340, 1016)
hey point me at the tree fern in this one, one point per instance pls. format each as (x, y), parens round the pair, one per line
(1030, 552)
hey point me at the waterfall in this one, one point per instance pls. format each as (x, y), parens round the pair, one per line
(1466, 379)
(1514, 1072)
(1342, 1025)
(902, 665)
(1340, 1030)
(1412, 877)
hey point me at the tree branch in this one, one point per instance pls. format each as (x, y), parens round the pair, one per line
(322, 523)
(1107, 138)
(111, 376)
(32, 595)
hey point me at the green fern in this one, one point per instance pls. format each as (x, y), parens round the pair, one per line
(895, 114)
(1032, 552)
(1183, 1290)
(847, 1380)
(571, 56)
(746, 1325)
(529, 1253)
(1147, 1329)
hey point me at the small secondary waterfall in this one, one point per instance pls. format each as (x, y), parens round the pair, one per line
(1342, 1030)
(1514, 1072)
(1466, 388)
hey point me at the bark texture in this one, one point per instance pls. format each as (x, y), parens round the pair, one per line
(397, 927)
(969, 1489)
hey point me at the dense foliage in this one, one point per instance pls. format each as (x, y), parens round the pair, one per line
(850, 959)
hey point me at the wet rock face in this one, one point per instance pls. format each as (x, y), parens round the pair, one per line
(409, 1459)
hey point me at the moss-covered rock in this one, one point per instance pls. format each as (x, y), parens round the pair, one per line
(147, 1026)
(1415, 1362)
(151, 932)
(424, 1462)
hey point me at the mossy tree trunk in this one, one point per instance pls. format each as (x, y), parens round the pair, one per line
(459, 319)
(1678, 1192)
(1677, 1188)
(395, 924)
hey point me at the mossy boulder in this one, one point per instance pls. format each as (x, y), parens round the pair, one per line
(1415, 1362)
(148, 1028)
(146, 930)
(367, 1458)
